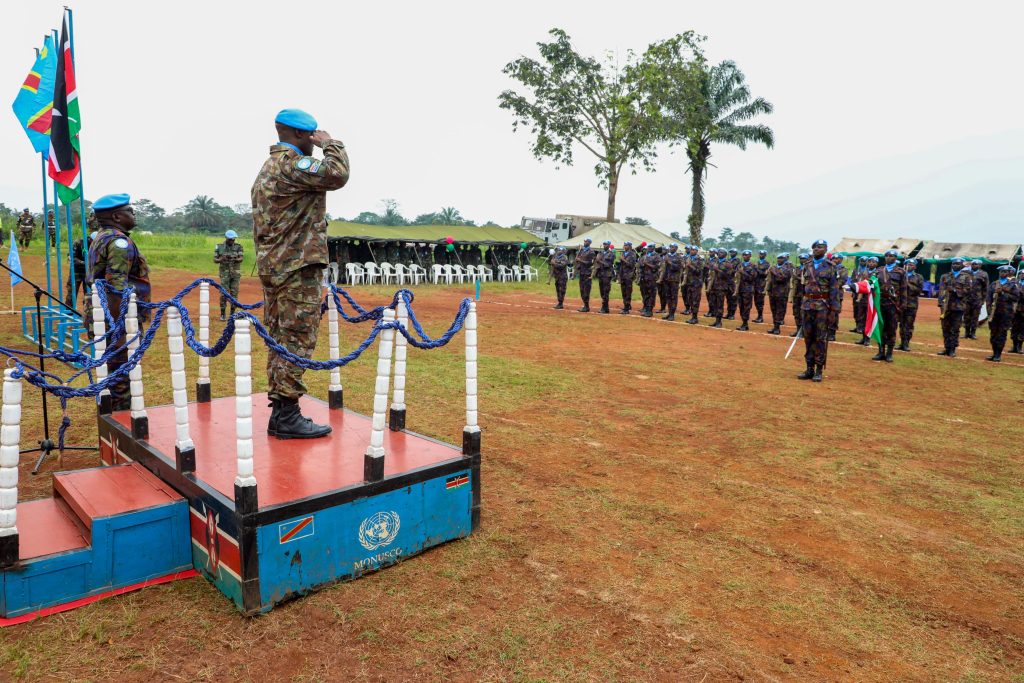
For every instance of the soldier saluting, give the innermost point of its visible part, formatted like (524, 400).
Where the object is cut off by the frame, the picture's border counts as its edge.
(954, 290)
(820, 288)
(228, 255)
(627, 271)
(289, 207)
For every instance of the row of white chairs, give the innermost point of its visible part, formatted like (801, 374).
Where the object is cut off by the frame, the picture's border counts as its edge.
(400, 274)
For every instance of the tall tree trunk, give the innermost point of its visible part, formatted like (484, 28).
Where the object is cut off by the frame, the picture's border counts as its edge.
(696, 219)
(613, 188)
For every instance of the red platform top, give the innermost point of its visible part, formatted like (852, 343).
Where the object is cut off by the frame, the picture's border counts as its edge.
(287, 470)
(45, 527)
(108, 491)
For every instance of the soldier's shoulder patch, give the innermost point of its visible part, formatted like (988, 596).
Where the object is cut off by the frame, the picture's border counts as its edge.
(304, 163)
(121, 243)
(315, 166)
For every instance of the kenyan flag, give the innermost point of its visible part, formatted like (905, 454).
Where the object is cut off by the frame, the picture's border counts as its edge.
(64, 164)
(873, 322)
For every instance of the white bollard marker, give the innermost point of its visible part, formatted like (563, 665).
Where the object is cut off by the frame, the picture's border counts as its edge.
(140, 421)
(99, 330)
(184, 449)
(335, 392)
(203, 378)
(245, 479)
(10, 440)
(471, 432)
(373, 460)
(396, 418)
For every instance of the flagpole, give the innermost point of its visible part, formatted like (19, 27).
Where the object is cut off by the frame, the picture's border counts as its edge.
(81, 186)
(71, 255)
(46, 206)
(56, 216)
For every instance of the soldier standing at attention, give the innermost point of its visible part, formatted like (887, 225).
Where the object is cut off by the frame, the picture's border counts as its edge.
(892, 286)
(979, 292)
(114, 257)
(797, 297)
(915, 285)
(732, 265)
(1017, 327)
(51, 227)
(820, 288)
(650, 264)
(954, 289)
(694, 282)
(776, 288)
(746, 280)
(559, 268)
(26, 224)
(228, 255)
(661, 251)
(722, 286)
(669, 275)
(627, 271)
(1003, 297)
(604, 273)
(762, 267)
(870, 269)
(711, 273)
(78, 257)
(584, 268)
(860, 301)
(842, 276)
(289, 202)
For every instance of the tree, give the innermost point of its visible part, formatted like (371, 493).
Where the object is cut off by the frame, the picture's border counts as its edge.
(391, 216)
(448, 215)
(602, 106)
(636, 220)
(148, 214)
(203, 212)
(367, 218)
(676, 236)
(425, 219)
(719, 110)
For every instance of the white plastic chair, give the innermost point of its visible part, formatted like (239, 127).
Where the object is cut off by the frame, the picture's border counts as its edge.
(437, 273)
(458, 273)
(372, 274)
(471, 273)
(354, 273)
(530, 273)
(517, 273)
(387, 273)
(486, 274)
(401, 273)
(504, 274)
(416, 274)
(334, 271)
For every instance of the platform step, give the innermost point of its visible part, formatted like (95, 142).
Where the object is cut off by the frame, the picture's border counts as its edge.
(48, 527)
(111, 491)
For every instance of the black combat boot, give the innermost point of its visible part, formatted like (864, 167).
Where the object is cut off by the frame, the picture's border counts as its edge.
(647, 313)
(759, 320)
(604, 309)
(775, 329)
(717, 323)
(686, 312)
(624, 311)
(864, 341)
(558, 306)
(888, 352)
(831, 336)
(670, 316)
(857, 329)
(904, 345)
(996, 357)
(222, 315)
(743, 327)
(291, 424)
(275, 410)
(818, 369)
(1017, 347)
(692, 320)
(796, 332)
(661, 310)
(943, 352)
(584, 309)
(881, 353)
(808, 373)
(730, 317)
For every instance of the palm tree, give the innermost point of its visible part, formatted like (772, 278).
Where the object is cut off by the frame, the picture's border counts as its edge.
(448, 215)
(203, 212)
(725, 112)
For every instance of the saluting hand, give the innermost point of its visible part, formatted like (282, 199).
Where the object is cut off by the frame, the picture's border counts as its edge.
(321, 138)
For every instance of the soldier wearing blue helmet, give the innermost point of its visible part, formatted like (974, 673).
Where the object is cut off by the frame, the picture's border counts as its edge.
(954, 290)
(732, 264)
(669, 276)
(979, 290)
(584, 265)
(228, 256)
(604, 273)
(746, 280)
(860, 301)
(627, 272)
(693, 283)
(1004, 297)
(762, 267)
(915, 286)
(558, 267)
(892, 288)
(819, 287)
(796, 294)
(776, 288)
(650, 264)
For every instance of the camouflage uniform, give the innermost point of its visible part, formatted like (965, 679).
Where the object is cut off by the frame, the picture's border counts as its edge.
(114, 257)
(820, 288)
(51, 228)
(627, 271)
(841, 276)
(797, 299)
(716, 286)
(762, 266)
(731, 264)
(229, 258)
(694, 285)
(746, 281)
(1017, 326)
(559, 265)
(892, 285)
(584, 267)
(915, 285)
(289, 208)
(777, 291)
(78, 255)
(26, 225)
(953, 293)
(1003, 300)
(979, 291)
(650, 264)
(604, 273)
(860, 301)
(669, 276)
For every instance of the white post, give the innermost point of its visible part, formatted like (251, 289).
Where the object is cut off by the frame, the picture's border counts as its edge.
(203, 378)
(245, 479)
(373, 461)
(140, 421)
(335, 392)
(184, 449)
(99, 330)
(396, 418)
(10, 440)
(471, 387)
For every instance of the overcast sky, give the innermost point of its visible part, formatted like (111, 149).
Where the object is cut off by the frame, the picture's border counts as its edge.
(178, 99)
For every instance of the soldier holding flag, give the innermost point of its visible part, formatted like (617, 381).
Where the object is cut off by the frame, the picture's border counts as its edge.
(820, 288)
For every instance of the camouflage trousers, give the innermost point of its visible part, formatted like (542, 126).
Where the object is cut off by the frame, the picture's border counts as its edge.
(647, 293)
(693, 296)
(746, 301)
(291, 314)
(971, 314)
(778, 303)
(53, 236)
(24, 238)
(798, 313)
(815, 331)
(716, 302)
(907, 318)
(604, 285)
(951, 322)
(998, 325)
(230, 282)
(561, 282)
(663, 295)
(890, 317)
(730, 302)
(1017, 328)
(860, 311)
(626, 287)
(759, 299)
(585, 284)
(833, 321)
(671, 289)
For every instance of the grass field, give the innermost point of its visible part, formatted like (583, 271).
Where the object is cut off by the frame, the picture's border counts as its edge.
(662, 502)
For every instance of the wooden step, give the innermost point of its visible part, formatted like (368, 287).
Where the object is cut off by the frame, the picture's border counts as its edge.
(110, 491)
(47, 527)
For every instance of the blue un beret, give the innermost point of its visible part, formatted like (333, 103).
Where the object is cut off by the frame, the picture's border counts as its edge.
(111, 201)
(296, 118)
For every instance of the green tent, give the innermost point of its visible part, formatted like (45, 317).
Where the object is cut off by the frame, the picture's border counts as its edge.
(463, 234)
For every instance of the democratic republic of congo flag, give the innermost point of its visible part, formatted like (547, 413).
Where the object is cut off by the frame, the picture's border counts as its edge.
(34, 102)
(873, 322)
(65, 125)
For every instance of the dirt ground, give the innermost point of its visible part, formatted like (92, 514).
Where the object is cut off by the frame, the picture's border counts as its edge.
(662, 502)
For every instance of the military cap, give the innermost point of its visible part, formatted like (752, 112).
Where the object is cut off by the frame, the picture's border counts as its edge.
(231, 235)
(559, 248)
(587, 240)
(295, 118)
(976, 262)
(25, 210)
(892, 252)
(747, 252)
(872, 258)
(911, 262)
(862, 259)
(957, 259)
(732, 250)
(836, 256)
(820, 243)
(607, 243)
(804, 256)
(762, 252)
(627, 242)
(109, 202)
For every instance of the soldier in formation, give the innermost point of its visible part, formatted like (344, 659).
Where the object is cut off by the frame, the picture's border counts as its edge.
(1017, 326)
(718, 283)
(731, 264)
(228, 256)
(842, 275)
(1003, 301)
(977, 296)
(558, 268)
(954, 292)
(26, 226)
(892, 286)
(604, 273)
(762, 266)
(71, 289)
(584, 265)
(627, 272)
(114, 257)
(693, 282)
(669, 277)
(746, 283)
(51, 227)
(915, 287)
(650, 265)
(868, 272)
(819, 287)
(796, 296)
(860, 301)
(289, 200)
(776, 288)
